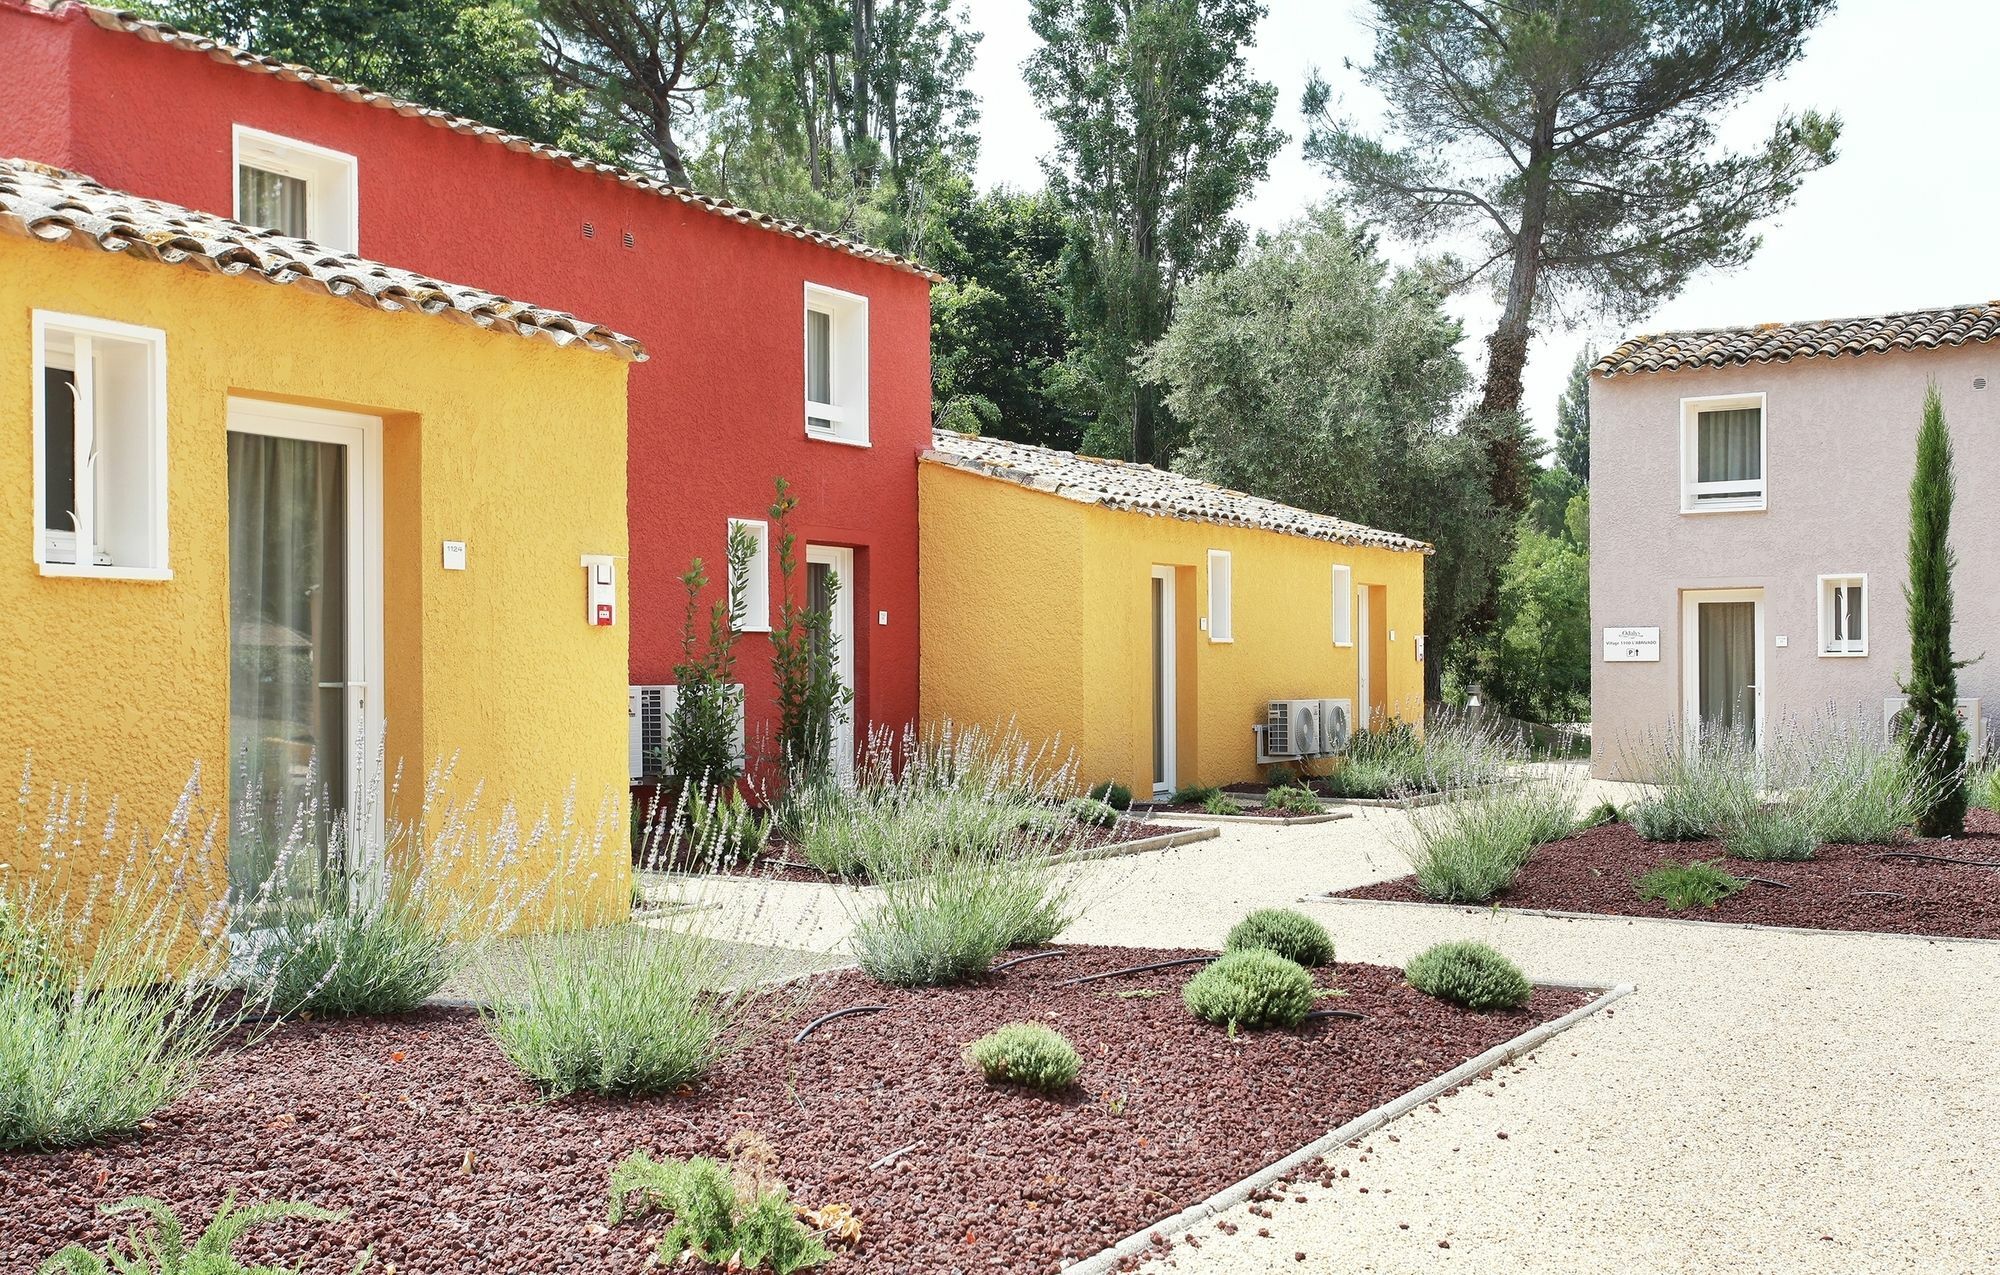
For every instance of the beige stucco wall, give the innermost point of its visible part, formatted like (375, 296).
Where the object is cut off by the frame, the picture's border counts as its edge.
(1840, 446)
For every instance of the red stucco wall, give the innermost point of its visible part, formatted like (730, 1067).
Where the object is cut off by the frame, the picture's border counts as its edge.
(716, 413)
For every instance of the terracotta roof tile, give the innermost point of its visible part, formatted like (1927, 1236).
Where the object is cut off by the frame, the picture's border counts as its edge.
(163, 33)
(1819, 339)
(57, 206)
(1142, 489)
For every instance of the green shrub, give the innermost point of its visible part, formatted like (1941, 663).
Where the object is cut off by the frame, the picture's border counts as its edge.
(1194, 795)
(744, 1225)
(1781, 833)
(947, 919)
(1026, 1054)
(1452, 752)
(1469, 850)
(1602, 813)
(28, 954)
(1857, 789)
(1985, 789)
(162, 1249)
(1292, 800)
(1091, 813)
(1703, 785)
(1292, 935)
(633, 1009)
(347, 947)
(1112, 793)
(1689, 885)
(1218, 803)
(1469, 974)
(1362, 778)
(1250, 988)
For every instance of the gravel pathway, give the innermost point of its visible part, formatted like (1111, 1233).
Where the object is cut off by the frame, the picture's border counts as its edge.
(1764, 1102)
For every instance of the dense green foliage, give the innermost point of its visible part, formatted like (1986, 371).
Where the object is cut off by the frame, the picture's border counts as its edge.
(1777, 832)
(1090, 812)
(477, 58)
(1536, 659)
(1112, 793)
(1579, 141)
(354, 946)
(812, 701)
(1473, 975)
(1249, 988)
(1291, 934)
(743, 1224)
(1160, 132)
(1695, 884)
(1936, 738)
(1470, 849)
(708, 700)
(1028, 1054)
(1395, 760)
(163, 1249)
(1309, 373)
(1573, 419)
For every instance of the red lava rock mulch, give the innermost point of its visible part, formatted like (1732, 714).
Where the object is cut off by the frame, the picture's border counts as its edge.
(1841, 888)
(450, 1163)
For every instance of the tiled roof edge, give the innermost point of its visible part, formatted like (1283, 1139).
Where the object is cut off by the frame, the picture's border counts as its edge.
(1946, 327)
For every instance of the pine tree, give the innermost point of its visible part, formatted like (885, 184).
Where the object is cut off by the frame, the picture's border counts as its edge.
(1573, 419)
(1936, 740)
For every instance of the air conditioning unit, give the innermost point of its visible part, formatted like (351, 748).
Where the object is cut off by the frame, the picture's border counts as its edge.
(649, 710)
(1336, 724)
(1968, 712)
(650, 715)
(1292, 728)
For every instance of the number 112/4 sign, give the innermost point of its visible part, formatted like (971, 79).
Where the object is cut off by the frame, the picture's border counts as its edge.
(1632, 646)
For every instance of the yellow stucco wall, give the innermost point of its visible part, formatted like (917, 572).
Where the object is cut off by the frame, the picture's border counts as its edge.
(514, 446)
(1038, 609)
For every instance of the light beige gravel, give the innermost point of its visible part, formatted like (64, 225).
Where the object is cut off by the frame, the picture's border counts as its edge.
(1765, 1102)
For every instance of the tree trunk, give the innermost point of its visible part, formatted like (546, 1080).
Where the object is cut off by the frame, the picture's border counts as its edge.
(672, 165)
(1507, 348)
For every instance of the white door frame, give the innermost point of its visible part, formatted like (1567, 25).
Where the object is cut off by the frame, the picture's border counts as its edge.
(1364, 654)
(841, 629)
(1691, 600)
(362, 436)
(1166, 701)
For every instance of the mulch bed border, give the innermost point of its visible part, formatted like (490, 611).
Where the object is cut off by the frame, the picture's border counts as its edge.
(1160, 814)
(1556, 914)
(1146, 1241)
(1143, 845)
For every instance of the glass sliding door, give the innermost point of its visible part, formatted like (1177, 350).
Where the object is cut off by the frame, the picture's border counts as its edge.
(303, 637)
(1723, 677)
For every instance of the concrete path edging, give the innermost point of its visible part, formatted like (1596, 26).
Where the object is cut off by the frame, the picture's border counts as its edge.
(1141, 1241)
(1144, 845)
(1273, 821)
(1754, 927)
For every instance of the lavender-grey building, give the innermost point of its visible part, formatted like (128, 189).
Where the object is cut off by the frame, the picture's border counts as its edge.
(1749, 523)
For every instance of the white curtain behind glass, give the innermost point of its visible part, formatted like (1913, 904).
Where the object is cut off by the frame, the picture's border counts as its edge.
(288, 653)
(272, 200)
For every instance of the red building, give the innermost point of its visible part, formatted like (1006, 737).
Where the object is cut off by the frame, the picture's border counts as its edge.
(777, 350)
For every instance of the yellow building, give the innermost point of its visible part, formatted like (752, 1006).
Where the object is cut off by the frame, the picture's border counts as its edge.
(1150, 619)
(277, 532)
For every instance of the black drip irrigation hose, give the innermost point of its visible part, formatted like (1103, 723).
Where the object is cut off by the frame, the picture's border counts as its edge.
(807, 1030)
(1937, 858)
(1032, 956)
(1333, 1013)
(1137, 969)
(1778, 885)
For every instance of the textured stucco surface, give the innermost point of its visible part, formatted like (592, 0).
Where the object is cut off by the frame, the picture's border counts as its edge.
(1038, 609)
(1841, 440)
(516, 449)
(719, 303)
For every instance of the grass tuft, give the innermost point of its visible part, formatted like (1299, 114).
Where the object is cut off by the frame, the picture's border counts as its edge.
(1470, 850)
(1695, 884)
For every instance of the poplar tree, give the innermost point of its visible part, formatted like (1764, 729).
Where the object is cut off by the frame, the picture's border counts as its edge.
(1936, 740)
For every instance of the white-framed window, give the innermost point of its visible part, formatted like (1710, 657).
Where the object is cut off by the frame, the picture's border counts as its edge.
(100, 401)
(1343, 605)
(297, 189)
(755, 615)
(1843, 615)
(1221, 604)
(836, 365)
(1722, 453)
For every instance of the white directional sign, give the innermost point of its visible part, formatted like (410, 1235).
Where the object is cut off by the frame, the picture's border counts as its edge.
(1632, 646)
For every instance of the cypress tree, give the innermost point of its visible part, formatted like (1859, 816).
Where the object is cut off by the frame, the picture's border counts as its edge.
(1936, 741)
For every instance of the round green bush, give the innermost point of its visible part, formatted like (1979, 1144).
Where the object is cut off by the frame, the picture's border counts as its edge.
(1113, 794)
(1250, 988)
(1293, 799)
(1026, 1054)
(1092, 812)
(1469, 974)
(1292, 935)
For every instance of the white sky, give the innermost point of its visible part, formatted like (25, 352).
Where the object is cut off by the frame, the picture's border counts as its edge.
(1907, 217)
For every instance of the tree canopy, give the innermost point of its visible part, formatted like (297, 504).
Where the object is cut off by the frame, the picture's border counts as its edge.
(1576, 139)
(1573, 419)
(1161, 130)
(1312, 374)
